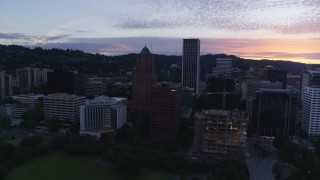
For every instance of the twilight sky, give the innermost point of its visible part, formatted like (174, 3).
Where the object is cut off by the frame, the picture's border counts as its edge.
(257, 29)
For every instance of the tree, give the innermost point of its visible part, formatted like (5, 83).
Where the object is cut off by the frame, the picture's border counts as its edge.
(9, 100)
(31, 142)
(31, 118)
(126, 162)
(5, 121)
(52, 123)
(281, 140)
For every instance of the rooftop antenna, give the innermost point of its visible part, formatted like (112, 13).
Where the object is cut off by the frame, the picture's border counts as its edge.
(151, 46)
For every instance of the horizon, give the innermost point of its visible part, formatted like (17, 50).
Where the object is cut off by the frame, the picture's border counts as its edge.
(274, 30)
(123, 53)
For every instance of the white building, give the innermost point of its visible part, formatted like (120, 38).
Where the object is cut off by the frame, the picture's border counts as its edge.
(28, 103)
(101, 114)
(310, 78)
(191, 64)
(64, 106)
(311, 111)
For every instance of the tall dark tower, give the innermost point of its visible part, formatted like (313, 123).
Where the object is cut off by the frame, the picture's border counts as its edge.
(191, 64)
(143, 79)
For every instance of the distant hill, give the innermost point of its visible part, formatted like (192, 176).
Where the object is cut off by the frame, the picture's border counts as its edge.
(13, 57)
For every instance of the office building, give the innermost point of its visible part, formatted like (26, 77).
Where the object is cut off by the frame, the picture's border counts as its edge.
(101, 114)
(311, 111)
(244, 81)
(275, 112)
(188, 97)
(66, 82)
(294, 81)
(44, 76)
(165, 110)
(28, 77)
(309, 78)
(22, 104)
(27, 102)
(223, 66)
(310, 122)
(273, 75)
(220, 134)
(95, 88)
(174, 74)
(60, 82)
(66, 107)
(253, 87)
(191, 64)
(6, 86)
(143, 78)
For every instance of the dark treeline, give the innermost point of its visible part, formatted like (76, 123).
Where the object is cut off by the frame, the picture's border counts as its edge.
(13, 57)
(125, 158)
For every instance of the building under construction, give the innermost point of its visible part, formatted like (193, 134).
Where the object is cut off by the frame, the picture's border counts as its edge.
(220, 134)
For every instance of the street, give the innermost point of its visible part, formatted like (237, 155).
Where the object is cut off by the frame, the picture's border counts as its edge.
(260, 169)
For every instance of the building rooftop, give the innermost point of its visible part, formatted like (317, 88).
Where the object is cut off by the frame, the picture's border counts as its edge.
(231, 115)
(99, 130)
(145, 51)
(166, 84)
(105, 99)
(29, 95)
(63, 96)
(314, 72)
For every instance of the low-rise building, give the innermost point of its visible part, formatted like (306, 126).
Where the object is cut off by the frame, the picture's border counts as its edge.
(66, 107)
(95, 88)
(97, 116)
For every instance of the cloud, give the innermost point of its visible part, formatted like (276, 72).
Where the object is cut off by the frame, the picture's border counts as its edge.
(54, 38)
(299, 49)
(88, 47)
(279, 16)
(279, 55)
(4, 35)
(30, 39)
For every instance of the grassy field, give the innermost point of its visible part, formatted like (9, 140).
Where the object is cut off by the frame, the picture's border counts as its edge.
(68, 167)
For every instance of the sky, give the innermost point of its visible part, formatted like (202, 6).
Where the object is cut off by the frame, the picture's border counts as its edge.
(253, 29)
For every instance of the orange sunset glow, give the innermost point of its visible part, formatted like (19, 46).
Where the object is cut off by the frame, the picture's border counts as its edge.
(297, 50)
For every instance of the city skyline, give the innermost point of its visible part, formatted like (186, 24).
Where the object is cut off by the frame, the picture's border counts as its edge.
(275, 29)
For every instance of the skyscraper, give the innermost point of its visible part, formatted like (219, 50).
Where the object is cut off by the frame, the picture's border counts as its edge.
(191, 64)
(143, 79)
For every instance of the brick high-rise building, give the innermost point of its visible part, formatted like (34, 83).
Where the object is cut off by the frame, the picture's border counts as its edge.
(143, 79)
(165, 110)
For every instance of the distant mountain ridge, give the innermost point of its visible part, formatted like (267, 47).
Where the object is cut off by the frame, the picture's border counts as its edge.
(13, 57)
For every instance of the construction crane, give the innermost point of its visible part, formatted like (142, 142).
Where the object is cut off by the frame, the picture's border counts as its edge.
(224, 96)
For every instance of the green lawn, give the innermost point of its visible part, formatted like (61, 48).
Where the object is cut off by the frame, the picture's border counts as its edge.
(68, 167)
